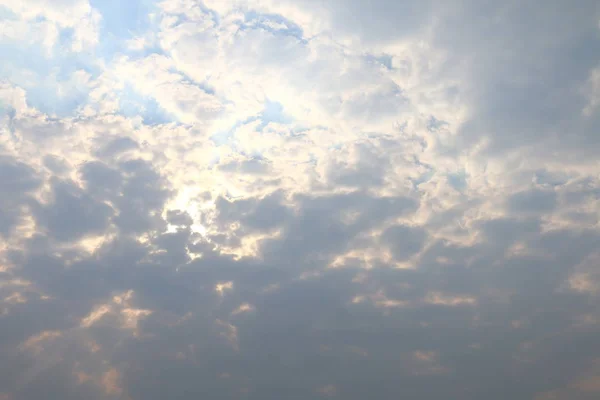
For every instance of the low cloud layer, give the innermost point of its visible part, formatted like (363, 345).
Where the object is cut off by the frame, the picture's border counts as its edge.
(250, 199)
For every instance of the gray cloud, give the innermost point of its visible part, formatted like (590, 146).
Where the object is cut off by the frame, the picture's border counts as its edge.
(71, 213)
(404, 241)
(17, 181)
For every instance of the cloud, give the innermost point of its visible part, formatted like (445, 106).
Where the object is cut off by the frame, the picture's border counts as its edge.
(70, 214)
(258, 199)
(18, 182)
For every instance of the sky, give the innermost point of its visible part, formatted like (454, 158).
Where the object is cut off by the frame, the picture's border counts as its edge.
(299, 199)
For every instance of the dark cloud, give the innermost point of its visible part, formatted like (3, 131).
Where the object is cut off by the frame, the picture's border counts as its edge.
(71, 213)
(101, 179)
(309, 332)
(404, 241)
(181, 218)
(140, 202)
(360, 165)
(17, 182)
(330, 225)
(526, 77)
(536, 201)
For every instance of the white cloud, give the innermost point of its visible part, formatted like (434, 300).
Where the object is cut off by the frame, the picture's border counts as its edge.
(74, 14)
(151, 77)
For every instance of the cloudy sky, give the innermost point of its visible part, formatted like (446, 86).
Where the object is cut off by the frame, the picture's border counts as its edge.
(299, 199)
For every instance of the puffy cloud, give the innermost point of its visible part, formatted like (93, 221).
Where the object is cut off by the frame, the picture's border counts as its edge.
(76, 15)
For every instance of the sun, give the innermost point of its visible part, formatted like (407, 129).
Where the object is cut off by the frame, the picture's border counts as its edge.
(194, 203)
